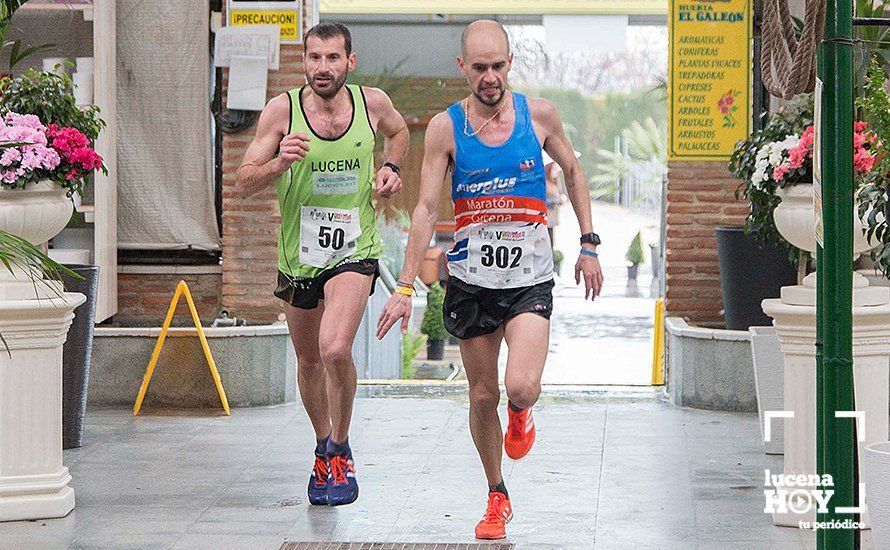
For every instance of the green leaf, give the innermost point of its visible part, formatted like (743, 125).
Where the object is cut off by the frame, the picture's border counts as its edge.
(16, 56)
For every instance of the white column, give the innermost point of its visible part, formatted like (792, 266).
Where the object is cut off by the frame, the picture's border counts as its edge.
(794, 316)
(33, 480)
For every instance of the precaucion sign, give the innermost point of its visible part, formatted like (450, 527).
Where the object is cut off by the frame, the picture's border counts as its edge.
(284, 14)
(709, 78)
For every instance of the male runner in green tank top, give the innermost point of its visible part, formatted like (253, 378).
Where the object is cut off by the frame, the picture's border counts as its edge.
(316, 144)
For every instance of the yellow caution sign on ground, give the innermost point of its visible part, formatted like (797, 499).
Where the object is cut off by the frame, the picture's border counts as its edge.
(181, 289)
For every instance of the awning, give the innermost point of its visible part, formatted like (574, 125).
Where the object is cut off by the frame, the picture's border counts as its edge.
(497, 7)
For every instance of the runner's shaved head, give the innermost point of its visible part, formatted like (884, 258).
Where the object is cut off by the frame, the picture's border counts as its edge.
(482, 32)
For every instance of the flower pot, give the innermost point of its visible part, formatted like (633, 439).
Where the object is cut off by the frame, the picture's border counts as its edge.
(35, 213)
(796, 220)
(749, 273)
(876, 475)
(76, 354)
(655, 254)
(435, 350)
(632, 271)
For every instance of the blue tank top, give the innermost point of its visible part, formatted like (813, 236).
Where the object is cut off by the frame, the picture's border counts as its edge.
(500, 211)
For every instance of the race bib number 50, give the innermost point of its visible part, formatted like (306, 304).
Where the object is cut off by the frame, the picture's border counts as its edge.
(500, 256)
(327, 235)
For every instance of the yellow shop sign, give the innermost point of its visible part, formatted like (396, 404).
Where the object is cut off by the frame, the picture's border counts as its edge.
(709, 78)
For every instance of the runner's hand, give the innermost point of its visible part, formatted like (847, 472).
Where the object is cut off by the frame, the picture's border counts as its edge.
(388, 183)
(293, 148)
(398, 307)
(593, 275)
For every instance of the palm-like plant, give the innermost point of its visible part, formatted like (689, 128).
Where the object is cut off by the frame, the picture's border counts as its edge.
(16, 252)
(645, 158)
(17, 52)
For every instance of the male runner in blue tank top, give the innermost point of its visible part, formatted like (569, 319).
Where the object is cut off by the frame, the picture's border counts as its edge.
(501, 264)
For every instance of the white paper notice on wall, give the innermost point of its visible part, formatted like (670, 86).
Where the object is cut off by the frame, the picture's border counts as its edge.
(247, 83)
(252, 41)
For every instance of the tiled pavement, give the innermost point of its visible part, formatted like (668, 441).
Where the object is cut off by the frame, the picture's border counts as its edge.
(629, 473)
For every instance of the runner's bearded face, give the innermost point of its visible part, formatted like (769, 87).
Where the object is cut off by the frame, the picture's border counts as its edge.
(327, 65)
(487, 77)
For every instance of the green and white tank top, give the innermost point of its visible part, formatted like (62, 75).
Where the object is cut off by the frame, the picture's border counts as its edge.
(325, 199)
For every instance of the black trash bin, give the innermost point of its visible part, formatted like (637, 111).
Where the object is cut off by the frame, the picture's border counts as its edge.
(76, 354)
(749, 273)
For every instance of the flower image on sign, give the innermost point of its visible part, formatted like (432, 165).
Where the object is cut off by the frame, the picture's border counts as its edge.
(709, 78)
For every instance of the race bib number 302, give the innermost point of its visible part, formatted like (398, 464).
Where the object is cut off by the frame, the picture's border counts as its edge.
(500, 256)
(327, 235)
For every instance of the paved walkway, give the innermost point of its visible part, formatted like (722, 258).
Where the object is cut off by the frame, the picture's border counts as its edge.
(609, 341)
(607, 473)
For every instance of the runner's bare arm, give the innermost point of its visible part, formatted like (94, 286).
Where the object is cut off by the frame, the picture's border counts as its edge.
(260, 166)
(438, 150)
(395, 135)
(560, 149)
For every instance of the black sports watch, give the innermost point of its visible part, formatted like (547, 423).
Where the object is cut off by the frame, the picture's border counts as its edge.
(590, 238)
(392, 167)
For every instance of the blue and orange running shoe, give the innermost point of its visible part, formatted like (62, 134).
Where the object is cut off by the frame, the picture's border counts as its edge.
(520, 434)
(342, 486)
(498, 514)
(318, 481)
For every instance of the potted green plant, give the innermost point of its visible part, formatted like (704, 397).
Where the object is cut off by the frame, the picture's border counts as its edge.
(875, 184)
(558, 257)
(634, 256)
(755, 260)
(433, 324)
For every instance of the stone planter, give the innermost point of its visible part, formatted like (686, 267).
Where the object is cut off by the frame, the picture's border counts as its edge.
(796, 220)
(876, 476)
(36, 213)
(769, 382)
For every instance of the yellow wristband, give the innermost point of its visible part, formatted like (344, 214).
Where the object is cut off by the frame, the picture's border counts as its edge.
(405, 290)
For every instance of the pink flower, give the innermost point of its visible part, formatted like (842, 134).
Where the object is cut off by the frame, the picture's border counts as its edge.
(859, 139)
(796, 156)
(780, 172)
(8, 176)
(860, 126)
(25, 121)
(50, 159)
(863, 161)
(9, 156)
(30, 160)
(807, 138)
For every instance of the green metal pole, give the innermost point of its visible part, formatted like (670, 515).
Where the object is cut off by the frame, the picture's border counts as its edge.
(834, 376)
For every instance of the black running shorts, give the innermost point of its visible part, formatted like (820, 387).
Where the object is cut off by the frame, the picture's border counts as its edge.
(305, 292)
(472, 310)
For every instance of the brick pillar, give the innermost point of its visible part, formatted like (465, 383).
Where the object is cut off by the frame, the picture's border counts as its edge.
(251, 225)
(700, 198)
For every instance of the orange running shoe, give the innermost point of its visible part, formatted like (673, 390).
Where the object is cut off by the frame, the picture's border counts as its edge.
(497, 515)
(520, 434)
